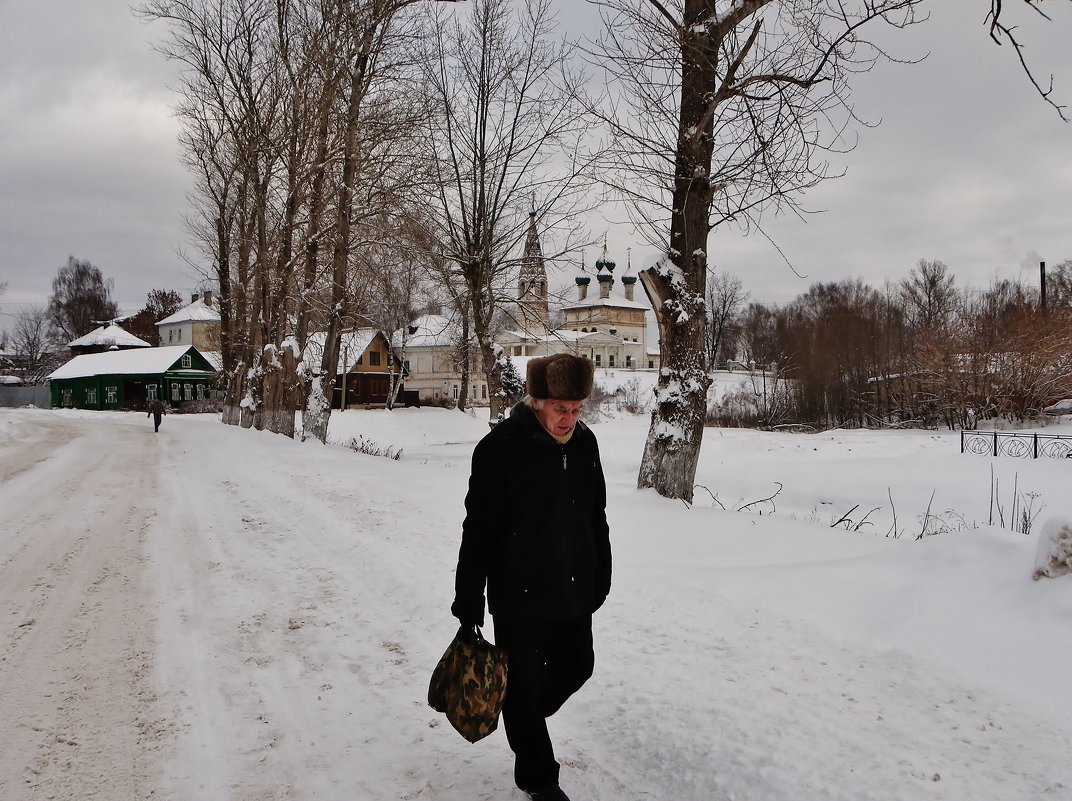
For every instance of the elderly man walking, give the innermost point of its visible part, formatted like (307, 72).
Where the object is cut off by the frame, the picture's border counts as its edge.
(536, 534)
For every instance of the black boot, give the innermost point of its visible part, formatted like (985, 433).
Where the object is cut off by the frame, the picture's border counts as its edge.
(553, 793)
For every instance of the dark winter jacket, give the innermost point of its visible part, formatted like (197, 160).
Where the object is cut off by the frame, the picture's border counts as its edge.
(535, 527)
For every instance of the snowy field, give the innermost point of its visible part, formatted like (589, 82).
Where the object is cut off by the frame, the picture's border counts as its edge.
(214, 614)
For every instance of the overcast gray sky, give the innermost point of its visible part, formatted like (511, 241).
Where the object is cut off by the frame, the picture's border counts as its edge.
(968, 166)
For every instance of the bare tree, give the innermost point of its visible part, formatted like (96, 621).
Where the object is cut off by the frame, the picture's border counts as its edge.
(504, 137)
(368, 38)
(725, 295)
(930, 296)
(81, 300)
(759, 341)
(291, 124)
(229, 103)
(1059, 286)
(30, 340)
(399, 280)
(750, 98)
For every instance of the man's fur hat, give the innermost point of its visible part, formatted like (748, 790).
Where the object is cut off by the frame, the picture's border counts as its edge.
(560, 377)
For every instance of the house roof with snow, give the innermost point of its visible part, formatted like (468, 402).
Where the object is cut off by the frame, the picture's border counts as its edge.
(106, 336)
(197, 312)
(128, 362)
(561, 336)
(213, 357)
(430, 331)
(353, 344)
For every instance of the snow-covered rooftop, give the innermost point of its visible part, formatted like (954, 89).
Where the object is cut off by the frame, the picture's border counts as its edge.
(106, 336)
(353, 344)
(122, 362)
(213, 357)
(433, 331)
(196, 312)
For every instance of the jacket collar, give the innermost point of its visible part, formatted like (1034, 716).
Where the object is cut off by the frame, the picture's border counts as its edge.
(531, 426)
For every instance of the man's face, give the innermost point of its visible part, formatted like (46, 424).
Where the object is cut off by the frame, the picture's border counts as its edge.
(559, 416)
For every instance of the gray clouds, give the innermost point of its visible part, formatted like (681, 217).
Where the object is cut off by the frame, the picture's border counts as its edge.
(88, 155)
(968, 166)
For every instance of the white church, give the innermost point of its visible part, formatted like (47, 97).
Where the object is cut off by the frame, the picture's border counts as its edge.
(604, 323)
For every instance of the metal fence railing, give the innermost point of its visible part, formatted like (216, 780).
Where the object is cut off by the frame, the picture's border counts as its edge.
(1016, 443)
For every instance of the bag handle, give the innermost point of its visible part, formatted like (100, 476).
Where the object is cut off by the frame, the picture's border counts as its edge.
(471, 634)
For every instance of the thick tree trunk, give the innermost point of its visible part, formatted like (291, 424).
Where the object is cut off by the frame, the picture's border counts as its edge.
(677, 284)
(493, 372)
(232, 403)
(318, 408)
(281, 384)
(677, 421)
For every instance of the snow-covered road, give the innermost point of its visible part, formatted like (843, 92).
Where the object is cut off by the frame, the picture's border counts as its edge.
(212, 614)
(77, 700)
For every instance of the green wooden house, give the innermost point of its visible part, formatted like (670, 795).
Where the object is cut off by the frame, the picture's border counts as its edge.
(129, 379)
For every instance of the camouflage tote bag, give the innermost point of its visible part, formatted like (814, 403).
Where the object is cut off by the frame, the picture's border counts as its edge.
(469, 684)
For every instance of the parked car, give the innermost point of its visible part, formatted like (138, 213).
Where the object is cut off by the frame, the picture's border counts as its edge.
(1061, 407)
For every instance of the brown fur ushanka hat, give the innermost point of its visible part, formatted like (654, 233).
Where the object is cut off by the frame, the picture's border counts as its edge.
(560, 377)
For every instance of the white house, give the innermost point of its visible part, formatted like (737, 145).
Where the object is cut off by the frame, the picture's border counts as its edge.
(431, 347)
(197, 324)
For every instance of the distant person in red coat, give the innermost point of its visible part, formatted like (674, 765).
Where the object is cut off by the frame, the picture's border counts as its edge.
(156, 409)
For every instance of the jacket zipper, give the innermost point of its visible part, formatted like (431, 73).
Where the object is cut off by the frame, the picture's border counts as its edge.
(563, 459)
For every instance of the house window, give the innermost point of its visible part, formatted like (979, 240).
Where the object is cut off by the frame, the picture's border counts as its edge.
(374, 358)
(628, 361)
(360, 359)
(187, 361)
(200, 391)
(110, 393)
(483, 392)
(610, 360)
(405, 365)
(150, 391)
(189, 391)
(175, 396)
(599, 359)
(517, 350)
(455, 392)
(170, 334)
(91, 396)
(180, 335)
(66, 397)
(651, 364)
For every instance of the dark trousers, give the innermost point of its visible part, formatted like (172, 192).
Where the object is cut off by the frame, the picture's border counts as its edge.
(156, 422)
(549, 662)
